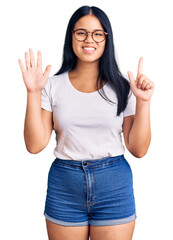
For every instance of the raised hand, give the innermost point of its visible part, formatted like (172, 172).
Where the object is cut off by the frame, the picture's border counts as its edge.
(142, 87)
(33, 76)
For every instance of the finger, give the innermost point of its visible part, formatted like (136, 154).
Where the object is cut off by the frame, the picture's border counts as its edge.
(142, 78)
(22, 67)
(39, 59)
(32, 59)
(131, 78)
(148, 86)
(47, 71)
(27, 60)
(140, 67)
(145, 83)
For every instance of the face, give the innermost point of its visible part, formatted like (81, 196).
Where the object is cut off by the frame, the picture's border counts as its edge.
(90, 23)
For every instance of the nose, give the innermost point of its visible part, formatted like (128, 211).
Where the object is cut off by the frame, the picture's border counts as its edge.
(89, 37)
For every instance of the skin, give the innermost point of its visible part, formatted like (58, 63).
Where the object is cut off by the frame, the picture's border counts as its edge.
(137, 128)
(39, 124)
(84, 76)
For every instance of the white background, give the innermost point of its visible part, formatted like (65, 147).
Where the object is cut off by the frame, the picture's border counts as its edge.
(141, 28)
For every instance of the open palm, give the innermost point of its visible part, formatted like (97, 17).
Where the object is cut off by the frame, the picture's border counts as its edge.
(33, 76)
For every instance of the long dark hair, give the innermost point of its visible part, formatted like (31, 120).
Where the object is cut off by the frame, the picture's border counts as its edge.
(108, 67)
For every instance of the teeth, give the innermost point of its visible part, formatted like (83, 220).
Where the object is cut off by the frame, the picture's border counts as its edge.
(89, 48)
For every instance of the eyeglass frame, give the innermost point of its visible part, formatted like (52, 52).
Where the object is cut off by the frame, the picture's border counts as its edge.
(91, 34)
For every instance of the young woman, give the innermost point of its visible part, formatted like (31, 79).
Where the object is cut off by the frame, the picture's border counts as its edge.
(88, 103)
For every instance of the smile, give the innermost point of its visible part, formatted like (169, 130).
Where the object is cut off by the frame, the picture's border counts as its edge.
(88, 49)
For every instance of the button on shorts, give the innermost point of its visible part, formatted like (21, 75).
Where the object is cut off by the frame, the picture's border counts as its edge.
(95, 192)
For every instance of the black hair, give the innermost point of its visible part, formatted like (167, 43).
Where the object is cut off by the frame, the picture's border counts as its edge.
(108, 67)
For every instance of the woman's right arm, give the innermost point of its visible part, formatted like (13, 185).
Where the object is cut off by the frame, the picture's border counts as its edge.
(38, 122)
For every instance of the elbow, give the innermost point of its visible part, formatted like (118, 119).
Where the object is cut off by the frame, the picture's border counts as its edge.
(34, 149)
(35, 146)
(138, 153)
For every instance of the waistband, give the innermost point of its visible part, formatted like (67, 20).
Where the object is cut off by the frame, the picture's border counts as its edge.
(94, 163)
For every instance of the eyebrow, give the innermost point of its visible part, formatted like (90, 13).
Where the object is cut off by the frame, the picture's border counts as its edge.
(86, 29)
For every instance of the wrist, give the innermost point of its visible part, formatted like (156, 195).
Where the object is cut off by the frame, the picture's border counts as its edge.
(32, 93)
(142, 102)
(34, 96)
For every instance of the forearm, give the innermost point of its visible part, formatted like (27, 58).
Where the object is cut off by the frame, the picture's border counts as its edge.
(33, 127)
(140, 133)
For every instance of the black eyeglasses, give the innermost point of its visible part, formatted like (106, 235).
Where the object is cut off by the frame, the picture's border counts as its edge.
(81, 35)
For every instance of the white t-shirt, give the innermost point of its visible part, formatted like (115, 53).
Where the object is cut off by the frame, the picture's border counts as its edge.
(85, 124)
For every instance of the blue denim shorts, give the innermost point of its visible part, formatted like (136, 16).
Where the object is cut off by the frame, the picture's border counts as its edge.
(95, 192)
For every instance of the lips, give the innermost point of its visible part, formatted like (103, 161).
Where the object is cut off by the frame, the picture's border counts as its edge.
(88, 49)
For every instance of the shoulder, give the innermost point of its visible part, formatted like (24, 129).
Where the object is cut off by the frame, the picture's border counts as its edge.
(54, 83)
(56, 86)
(57, 79)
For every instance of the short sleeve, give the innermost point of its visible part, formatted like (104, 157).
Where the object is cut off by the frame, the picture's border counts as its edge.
(131, 105)
(46, 98)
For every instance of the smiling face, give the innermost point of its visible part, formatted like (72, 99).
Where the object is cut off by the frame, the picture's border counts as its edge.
(88, 50)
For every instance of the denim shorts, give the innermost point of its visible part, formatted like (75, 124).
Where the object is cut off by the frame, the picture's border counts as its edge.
(95, 192)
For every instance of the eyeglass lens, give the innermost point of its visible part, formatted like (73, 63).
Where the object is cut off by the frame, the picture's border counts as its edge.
(81, 35)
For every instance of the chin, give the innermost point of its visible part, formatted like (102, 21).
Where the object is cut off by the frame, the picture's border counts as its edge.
(89, 59)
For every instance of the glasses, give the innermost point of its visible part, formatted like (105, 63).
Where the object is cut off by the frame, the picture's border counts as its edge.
(97, 35)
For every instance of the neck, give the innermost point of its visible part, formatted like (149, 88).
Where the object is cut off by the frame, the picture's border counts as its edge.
(87, 70)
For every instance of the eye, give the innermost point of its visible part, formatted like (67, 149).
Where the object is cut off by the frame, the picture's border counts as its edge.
(80, 33)
(100, 34)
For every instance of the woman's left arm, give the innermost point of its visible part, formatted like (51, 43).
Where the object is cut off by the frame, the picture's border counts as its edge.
(136, 128)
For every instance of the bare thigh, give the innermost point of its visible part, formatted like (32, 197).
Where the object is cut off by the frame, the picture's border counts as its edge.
(59, 232)
(113, 232)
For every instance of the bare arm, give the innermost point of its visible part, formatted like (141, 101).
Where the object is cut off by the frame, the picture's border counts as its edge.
(38, 122)
(137, 128)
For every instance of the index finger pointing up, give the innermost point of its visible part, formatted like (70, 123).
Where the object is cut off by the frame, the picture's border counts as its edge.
(140, 66)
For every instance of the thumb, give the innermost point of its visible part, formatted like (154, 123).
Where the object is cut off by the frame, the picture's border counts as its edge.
(47, 71)
(131, 78)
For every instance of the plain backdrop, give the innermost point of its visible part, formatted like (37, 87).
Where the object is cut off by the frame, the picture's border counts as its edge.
(140, 28)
